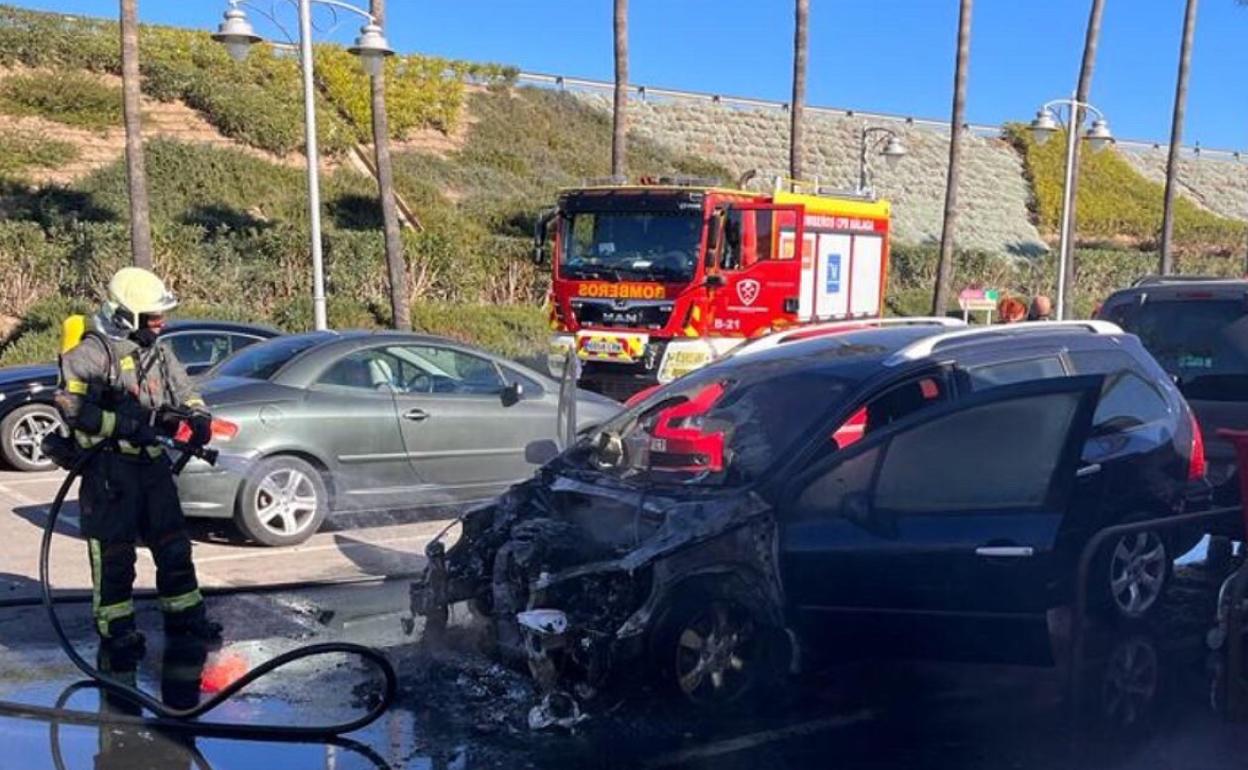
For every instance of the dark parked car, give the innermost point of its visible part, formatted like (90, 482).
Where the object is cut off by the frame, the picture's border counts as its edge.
(1197, 329)
(354, 421)
(727, 514)
(26, 410)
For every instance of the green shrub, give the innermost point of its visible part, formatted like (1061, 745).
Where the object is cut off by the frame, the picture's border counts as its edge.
(21, 150)
(65, 96)
(519, 332)
(1115, 201)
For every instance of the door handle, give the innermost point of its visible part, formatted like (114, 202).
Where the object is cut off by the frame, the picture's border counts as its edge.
(1088, 470)
(1008, 551)
(416, 415)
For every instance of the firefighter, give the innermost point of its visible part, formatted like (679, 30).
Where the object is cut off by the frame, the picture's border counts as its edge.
(120, 389)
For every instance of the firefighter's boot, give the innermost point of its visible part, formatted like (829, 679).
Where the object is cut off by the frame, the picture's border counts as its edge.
(194, 624)
(125, 644)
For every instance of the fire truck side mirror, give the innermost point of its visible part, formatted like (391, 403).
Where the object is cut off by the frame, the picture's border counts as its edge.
(714, 234)
(539, 235)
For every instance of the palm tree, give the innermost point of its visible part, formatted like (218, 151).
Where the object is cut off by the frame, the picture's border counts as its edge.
(400, 310)
(1081, 94)
(619, 119)
(799, 89)
(944, 267)
(136, 174)
(1176, 138)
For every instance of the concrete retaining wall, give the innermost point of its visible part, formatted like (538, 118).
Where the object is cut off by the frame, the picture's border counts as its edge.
(993, 195)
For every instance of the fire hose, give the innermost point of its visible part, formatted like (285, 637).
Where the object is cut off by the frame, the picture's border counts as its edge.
(186, 720)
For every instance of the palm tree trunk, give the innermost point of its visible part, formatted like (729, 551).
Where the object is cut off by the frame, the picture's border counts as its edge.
(396, 266)
(944, 268)
(796, 109)
(1081, 94)
(136, 174)
(619, 115)
(1176, 138)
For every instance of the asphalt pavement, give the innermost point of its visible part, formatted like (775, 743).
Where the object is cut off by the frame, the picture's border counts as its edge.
(349, 547)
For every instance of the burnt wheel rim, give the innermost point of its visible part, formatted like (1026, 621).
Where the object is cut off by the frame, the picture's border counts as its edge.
(716, 654)
(1137, 573)
(286, 502)
(27, 437)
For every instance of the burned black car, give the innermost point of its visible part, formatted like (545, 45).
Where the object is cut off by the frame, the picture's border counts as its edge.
(709, 537)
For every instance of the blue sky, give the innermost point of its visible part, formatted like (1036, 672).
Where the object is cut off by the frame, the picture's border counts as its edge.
(881, 55)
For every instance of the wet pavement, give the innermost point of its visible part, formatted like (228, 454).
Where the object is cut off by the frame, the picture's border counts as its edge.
(1144, 698)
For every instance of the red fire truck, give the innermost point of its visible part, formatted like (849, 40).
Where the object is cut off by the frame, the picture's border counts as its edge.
(654, 280)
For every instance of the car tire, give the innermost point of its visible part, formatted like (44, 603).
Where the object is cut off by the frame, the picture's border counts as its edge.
(282, 502)
(1133, 573)
(715, 652)
(20, 433)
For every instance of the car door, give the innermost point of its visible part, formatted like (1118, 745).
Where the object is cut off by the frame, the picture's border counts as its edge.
(954, 509)
(349, 413)
(460, 432)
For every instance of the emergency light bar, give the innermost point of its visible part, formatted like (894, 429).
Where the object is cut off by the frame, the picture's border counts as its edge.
(926, 346)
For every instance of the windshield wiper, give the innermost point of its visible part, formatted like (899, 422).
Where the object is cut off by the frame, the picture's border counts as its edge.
(595, 272)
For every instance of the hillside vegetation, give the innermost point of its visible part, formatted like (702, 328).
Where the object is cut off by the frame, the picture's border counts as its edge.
(1117, 204)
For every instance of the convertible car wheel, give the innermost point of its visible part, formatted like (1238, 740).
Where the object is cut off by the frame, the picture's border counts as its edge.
(283, 502)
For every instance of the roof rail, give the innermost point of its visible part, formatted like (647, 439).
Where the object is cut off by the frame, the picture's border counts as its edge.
(798, 333)
(1157, 280)
(926, 346)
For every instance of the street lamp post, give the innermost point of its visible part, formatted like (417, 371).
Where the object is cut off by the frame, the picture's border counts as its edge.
(236, 33)
(892, 151)
(1046, 124)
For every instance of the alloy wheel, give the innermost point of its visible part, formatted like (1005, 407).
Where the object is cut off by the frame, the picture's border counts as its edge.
(28, 433)
(1130, 683)
(1137, 573)
(716, 654)
(285, 502)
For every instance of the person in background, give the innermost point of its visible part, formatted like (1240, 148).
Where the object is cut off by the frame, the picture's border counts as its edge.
(1041, 309)
(1011, 310)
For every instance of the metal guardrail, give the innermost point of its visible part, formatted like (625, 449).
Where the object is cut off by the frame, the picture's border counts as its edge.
(1229, 515)
(644, 93)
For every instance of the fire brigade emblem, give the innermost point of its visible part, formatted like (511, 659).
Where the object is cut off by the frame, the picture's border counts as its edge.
(747, 291)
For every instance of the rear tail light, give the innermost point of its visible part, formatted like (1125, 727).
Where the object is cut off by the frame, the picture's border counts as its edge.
(1196, 458)
(223, 430)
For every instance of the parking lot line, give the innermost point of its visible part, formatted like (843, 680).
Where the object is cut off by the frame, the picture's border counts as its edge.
(754, 740)
(269, 553)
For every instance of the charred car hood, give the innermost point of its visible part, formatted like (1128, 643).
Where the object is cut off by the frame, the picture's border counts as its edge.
(608, 524)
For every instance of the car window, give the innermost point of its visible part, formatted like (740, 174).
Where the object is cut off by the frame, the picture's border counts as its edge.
(1128, 401)
(531, 387)
(896, 403)
(261, 361)
(240, 341)
(199, 349)
(1100, 361)
(1202, 342)
(1011, 372)
(435, 369)
(372, 369)
(1000, 455)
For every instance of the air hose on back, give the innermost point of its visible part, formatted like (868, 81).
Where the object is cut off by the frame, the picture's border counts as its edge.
(187, 719)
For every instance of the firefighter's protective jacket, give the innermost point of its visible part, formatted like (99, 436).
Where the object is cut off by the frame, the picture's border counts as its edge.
(113, 388)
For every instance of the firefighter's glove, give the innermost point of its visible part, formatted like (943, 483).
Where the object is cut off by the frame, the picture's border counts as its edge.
(201, 427)
(137, 427)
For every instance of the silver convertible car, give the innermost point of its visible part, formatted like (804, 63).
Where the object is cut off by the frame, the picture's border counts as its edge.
(359, 421)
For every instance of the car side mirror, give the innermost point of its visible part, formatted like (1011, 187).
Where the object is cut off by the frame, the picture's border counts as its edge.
(541, 451)
(714, 234)
(539, 236)
(512, 394)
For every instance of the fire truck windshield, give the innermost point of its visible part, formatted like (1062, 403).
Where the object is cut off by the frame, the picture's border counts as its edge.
(631, 245)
